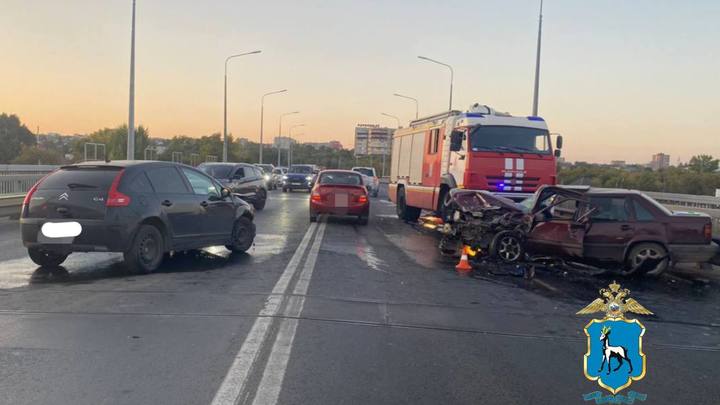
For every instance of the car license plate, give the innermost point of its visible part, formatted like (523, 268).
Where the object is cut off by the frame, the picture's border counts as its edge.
(296, 183)
(61, 229)
(341, 200)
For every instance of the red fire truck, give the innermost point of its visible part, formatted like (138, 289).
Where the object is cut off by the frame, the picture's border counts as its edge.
(480, 149)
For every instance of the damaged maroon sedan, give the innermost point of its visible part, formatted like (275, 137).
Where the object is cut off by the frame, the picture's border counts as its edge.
(622, 229)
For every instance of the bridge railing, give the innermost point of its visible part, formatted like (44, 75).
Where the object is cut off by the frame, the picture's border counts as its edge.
(17, 179)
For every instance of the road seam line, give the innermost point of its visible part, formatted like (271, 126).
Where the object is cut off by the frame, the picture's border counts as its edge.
(235, 380)
(268, 390)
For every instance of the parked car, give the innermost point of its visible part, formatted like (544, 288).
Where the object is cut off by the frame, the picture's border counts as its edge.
(267, 175)
(243, 179)
(605, 227)
(299, 177)
(142, 209)
(277, 175)
(340, 192)
(372, 181)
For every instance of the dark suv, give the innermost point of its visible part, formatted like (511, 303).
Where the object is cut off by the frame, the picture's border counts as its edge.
(246, 180)
(142, 209)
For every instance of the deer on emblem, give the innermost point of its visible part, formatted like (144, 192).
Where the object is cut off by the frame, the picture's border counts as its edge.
(610, 352)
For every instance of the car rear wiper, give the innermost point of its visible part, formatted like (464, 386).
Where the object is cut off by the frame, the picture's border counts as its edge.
(80, 185)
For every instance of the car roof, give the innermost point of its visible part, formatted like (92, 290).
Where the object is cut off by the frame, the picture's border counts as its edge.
(591, 191)
(363, 167)
(123, 163)
(339, 171)
(226, 164)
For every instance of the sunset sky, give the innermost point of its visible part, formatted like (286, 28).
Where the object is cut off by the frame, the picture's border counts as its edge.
(620, 79)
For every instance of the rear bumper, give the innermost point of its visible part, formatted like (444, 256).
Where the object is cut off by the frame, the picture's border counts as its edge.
(694, 253)
(96, 236)
(319, 208)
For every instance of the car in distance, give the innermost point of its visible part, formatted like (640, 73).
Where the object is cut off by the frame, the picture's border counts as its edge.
(142, 209)
(340, 192)
(298, 177)
(277, 175)
(243, 179)
(267, 175)
(372, 182)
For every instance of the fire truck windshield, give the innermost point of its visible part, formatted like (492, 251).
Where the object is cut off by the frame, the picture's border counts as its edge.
(509, 139)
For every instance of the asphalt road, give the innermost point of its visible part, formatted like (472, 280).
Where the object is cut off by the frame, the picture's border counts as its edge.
(332, 313)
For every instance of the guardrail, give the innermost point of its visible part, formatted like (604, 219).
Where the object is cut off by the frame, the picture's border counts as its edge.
(17, 179)
(686, 200)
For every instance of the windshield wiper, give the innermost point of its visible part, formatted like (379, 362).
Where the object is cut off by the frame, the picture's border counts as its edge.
(80, 185)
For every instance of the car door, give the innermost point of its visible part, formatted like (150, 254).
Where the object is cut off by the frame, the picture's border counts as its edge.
(556, 230)
(216, 214)
(611, 228)
(177, 204)
(242, 181)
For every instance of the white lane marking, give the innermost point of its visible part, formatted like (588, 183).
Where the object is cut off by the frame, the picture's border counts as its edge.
(234, 383)
(269, 388)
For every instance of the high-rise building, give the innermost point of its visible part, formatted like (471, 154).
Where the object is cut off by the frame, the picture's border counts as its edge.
(283, 142)
(660, 161)
(371, 139)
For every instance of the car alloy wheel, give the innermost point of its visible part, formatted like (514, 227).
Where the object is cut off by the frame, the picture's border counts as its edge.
(507, 246)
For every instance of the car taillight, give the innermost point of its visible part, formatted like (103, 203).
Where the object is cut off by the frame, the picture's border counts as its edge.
(362, 199)
(316, 197)
(33, 189)
(116, 198)
(707, 232)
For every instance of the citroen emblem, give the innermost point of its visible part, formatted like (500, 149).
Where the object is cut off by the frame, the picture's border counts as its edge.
(63, 196)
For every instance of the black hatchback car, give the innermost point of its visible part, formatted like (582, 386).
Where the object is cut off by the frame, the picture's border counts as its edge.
(246, 180)
(142, 209)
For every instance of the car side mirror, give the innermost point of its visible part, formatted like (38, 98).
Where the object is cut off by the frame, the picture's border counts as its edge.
(557, 152)
(456, 138)
(559, 142)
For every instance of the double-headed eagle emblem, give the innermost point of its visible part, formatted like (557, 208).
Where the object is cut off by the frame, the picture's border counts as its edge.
(615, 301)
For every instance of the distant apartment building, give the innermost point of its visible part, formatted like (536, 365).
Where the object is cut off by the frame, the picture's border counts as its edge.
(618, 163)
(283, 142)
(372, 139)
(660, 161)
(335, 145)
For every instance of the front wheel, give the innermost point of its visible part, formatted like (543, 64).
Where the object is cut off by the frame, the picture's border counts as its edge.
(243, 235)
(647, 258)
(507, 246)
(404, 212)
(46, 258)
(146, 252)
(259, 203)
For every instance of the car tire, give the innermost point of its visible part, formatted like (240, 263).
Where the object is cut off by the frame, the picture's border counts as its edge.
(243, 235)
(46, 258)
(313, 218)
(507, 246)
(404, 212)
(284, 190)
(363, 220)
(643, 251)
(147, 250)
(259, 204)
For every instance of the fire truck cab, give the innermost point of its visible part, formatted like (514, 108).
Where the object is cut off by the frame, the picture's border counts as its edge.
(480, 149)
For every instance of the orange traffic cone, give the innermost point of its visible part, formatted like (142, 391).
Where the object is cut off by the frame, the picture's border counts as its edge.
(464, 265)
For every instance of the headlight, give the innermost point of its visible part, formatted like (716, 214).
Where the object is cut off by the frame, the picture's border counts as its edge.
(284, 177)
(308, 178)
(267, 177)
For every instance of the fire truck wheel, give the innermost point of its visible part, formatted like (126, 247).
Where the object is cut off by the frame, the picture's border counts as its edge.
(404, 212)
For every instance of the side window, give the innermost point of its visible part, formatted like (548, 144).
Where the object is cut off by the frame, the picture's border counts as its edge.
(201, 184)
(434, 141)
(642, 213)
(258, 172)
(139, 184)
(239, 173)
(167, 180)
(610, 209)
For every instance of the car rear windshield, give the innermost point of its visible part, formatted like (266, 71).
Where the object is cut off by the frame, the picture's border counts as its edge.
(365, 171)
(300, 169)
(80, 178)
(341, 178)
(217, 171)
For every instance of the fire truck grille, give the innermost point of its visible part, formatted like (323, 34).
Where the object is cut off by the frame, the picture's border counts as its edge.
(524, 182)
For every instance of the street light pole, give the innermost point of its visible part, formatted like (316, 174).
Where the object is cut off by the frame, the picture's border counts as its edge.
(386, 144)
(392, 116)
(410, 98)
(537, 65)
(452, 73)
(280, 133)
(225, 144)
(262, 113)
(131, 110)
(290, 142)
